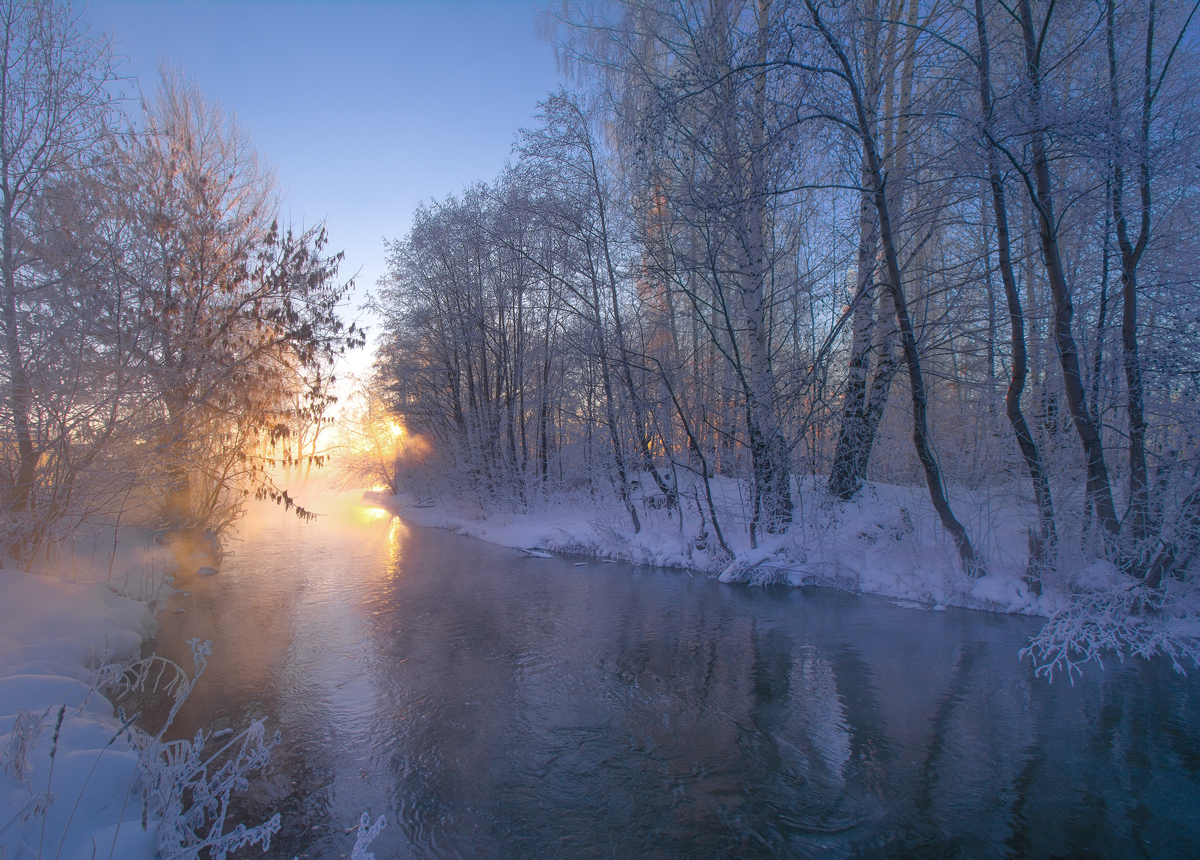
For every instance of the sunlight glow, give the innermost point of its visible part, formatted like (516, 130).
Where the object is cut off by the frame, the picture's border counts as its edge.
(371, 514)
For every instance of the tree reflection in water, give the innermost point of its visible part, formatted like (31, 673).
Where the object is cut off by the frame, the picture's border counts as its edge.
(498, 706)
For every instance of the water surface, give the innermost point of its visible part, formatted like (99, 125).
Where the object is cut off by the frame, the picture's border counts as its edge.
(497, 706)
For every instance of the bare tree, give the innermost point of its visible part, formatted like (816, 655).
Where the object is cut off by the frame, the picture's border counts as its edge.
(1043, 543)
(889, 54)
(567, 142)
(54, 109)
(860, 122)
(704, 126)
(1040, 187)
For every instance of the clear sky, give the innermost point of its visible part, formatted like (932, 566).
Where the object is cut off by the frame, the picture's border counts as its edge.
(364, 108)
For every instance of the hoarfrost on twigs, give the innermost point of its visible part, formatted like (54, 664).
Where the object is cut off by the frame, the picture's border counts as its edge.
(366, 835)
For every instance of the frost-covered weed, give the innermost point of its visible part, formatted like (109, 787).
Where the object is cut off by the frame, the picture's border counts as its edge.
(185, 789)
(1122, 618)
(26, 730)
(153, 674)
(366, 835)
(191, 792)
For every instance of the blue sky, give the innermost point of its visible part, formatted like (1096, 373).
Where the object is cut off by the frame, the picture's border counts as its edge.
(364, 108)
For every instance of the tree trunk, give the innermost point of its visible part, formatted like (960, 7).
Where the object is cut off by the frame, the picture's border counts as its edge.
(1043, 542)
(972, 564)
(1098, 485)
(1138, 516)
(768, 450)
(610, 409)
(853, 450)
(20, 498)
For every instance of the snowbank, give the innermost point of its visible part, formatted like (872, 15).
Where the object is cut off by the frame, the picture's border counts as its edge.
(66, 772)
(886, 542)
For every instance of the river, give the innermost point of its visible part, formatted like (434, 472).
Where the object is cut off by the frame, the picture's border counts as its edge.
(497, 706)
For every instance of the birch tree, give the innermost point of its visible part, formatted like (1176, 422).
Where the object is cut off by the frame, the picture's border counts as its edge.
(706, 129)
(858, 120)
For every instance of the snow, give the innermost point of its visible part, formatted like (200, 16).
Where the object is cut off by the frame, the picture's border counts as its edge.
(73, 785)
(53, 633)
(886, 542)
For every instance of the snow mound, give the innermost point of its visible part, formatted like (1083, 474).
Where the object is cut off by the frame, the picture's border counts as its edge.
(66, 769)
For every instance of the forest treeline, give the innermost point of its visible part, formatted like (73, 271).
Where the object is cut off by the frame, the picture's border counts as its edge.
(163, 336)
(947, 244)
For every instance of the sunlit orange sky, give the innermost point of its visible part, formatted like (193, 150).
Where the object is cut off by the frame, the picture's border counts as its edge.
(365, 108)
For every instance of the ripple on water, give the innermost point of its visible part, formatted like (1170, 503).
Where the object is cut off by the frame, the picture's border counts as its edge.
(497, 706)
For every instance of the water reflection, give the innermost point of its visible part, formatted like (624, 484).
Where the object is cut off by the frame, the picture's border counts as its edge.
(397, 536)
(496, 706)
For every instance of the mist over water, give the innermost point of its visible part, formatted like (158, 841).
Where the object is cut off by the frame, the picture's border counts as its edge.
(492, 705)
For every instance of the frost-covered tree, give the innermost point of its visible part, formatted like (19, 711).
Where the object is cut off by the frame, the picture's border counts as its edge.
(710, 152)
(234, 310)
(55, 109)
(871, 241)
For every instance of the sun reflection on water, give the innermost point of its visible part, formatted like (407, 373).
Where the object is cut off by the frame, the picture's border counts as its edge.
(367, 514)
(397, 537)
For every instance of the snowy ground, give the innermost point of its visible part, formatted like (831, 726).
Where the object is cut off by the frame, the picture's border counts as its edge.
(67, 772)
(886, 542)
(73, 773)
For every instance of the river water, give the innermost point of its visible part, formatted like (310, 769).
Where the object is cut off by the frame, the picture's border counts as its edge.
(498, 706)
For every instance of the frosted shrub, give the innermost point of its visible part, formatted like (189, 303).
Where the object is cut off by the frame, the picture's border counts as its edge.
(1122, 618)
(187, 790)
(191, 793)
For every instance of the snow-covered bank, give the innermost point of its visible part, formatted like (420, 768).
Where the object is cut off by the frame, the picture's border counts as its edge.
(66, 769)
(79, 780)
(886, 542)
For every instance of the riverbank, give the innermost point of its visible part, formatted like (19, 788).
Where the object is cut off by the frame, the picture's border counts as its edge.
(73, 768)
(886, 542)
(67, 771)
